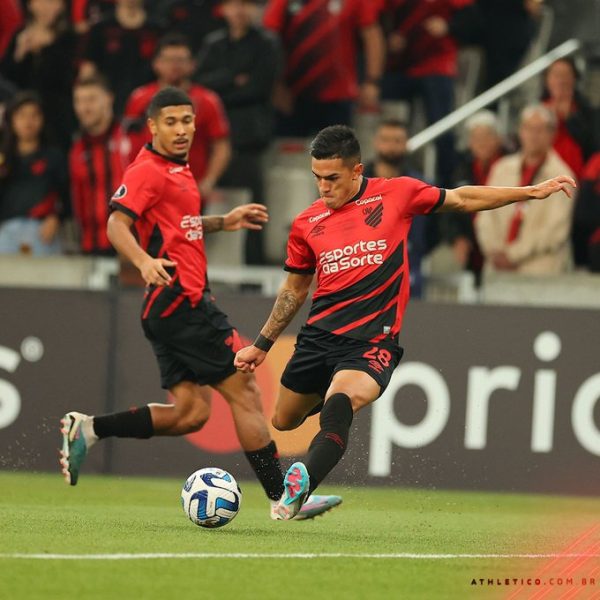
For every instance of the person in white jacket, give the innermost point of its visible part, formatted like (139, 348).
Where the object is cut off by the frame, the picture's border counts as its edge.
(529, 237)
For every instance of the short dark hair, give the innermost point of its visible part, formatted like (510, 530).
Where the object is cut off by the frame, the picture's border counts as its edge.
(336, 141)
(172, 40)
(96, 80)
(169, 96)
(392, 122)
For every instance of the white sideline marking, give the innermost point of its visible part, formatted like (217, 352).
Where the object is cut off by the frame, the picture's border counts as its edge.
(400, 556)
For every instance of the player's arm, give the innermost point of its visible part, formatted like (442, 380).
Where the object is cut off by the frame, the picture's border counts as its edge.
(291, 297)
(120, 236)
(474, 198)
(220, 155)
(374, 49)
(246, 216)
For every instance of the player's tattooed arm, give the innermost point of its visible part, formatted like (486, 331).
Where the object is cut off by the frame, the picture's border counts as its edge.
(289, 300)
(213, 223)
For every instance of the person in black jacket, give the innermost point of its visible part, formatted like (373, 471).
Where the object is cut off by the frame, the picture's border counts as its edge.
(40, 57)
(241, 64)
(33, 181)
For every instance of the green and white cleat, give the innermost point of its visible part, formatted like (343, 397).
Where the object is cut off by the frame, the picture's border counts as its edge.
(78, 438)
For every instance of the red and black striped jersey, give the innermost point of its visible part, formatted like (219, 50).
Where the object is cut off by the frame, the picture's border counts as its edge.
(96, 167)
(320, 41)
(359, 253)
(162, 197)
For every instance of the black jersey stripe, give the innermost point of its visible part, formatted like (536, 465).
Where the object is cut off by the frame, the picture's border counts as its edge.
(371, 325)
(118, 206)
(440, 201)
(383, 273)
(351, 313)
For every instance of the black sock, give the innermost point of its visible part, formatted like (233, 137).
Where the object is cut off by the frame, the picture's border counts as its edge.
(132, 423)
(329, 445)
(267, 467)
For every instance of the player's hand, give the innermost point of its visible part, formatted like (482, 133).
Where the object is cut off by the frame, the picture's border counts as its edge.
(246, 216)
(49, 228)
(248, 358)
(436, 26)
(154, 273)
(562, 183)
(369, 96)
(501, 262)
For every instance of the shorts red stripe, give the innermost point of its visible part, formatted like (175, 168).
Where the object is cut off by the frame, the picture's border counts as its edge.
(151, 301)
(173, 306)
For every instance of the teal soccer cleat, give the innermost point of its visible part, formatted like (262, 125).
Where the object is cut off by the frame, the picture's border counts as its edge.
(76, 444)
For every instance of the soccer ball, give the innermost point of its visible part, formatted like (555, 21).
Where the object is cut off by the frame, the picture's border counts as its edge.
(211, 497)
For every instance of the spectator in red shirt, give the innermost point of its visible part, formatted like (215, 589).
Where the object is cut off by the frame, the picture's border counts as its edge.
(211, 150)
(574, 140)
(97, 161)
(586, 222)
(422, 61)
(120, 47)
(320, 83)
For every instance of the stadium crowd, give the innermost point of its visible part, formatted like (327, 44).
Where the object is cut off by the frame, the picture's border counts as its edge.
(76, 78)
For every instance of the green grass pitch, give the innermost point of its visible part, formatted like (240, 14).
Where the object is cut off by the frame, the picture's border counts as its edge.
(123, 516)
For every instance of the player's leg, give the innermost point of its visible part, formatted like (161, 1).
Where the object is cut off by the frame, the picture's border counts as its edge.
(348, 392)
(292, 408)
(188, 412)
(241, 392)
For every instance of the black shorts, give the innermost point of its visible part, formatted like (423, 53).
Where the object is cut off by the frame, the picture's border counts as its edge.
(193, 344)
(319, 355)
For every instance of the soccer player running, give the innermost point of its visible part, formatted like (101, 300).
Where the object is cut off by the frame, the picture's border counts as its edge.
(192, 339)
(354, 238)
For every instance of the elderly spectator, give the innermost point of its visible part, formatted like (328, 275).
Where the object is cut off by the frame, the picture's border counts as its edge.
(97, 161)
(120, 47)
(473, 168)
(241, 63)
(530, 238)
(391, 160)
(40, 57)
(574, 140)
(319, 39)
(174, 66)
(33, 182)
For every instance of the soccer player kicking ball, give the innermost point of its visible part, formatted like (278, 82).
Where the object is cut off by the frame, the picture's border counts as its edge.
(192, 339)
(354, 238)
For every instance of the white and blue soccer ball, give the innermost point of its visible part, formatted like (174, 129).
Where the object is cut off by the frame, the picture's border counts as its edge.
(211, 497)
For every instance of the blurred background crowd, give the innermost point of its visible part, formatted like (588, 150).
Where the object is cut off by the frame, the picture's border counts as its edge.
(76, 77)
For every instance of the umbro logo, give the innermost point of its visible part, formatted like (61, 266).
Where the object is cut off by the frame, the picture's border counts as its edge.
(173, 170)
(374, 215)
(317, 230)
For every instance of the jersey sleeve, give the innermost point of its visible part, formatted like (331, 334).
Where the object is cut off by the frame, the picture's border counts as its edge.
(214, 118)
(274, 15)
(140, 189)
(368, 12)
(418, 197)
(300, 257)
